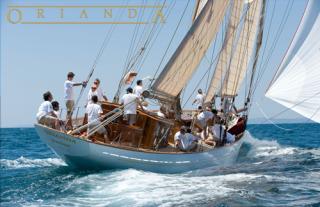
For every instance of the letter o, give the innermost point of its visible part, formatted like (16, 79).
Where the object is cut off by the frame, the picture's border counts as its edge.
(19, 14)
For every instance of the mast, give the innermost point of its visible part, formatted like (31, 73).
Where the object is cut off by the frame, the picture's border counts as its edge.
(243, 51)
(190, 52)
(226, 54)
(297, 83)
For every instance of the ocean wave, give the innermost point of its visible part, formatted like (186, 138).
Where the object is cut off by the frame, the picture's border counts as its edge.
(23, 162)
(267, 148)
(137, 188)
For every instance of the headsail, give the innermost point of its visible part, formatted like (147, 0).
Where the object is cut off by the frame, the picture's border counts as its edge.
(297, 84)
(192, 49)
(243, 50)
(226, 53)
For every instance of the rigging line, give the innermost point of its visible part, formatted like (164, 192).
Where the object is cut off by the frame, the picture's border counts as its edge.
(268, 33)
(279, 31)
(129, 53)
(120, 85)
(132, 42)
(219, 53)
(258, 49)
(152, 33)
(149, 38)
(247, 59)
(154, 39)
(225, 81)
(101, 50)
(191, 52)
(176, 29)
(269, 120)
(140, 42)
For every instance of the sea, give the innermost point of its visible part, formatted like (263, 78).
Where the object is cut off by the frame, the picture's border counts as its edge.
(276, 166)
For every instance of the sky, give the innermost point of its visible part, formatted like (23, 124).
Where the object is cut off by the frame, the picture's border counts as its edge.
(35, 58)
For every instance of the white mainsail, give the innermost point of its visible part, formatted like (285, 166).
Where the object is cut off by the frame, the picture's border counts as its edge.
(226, 52)
(243, 51)
(192, 49)
(297, 84)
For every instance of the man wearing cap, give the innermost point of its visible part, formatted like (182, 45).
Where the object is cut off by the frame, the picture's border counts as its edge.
(69, 96)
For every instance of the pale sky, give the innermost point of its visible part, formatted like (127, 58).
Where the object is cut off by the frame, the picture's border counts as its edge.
(35, 58)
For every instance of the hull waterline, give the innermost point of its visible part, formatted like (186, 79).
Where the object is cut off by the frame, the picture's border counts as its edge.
(85, 154)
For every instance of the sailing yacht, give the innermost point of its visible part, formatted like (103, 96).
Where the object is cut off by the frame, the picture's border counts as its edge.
(141, 146)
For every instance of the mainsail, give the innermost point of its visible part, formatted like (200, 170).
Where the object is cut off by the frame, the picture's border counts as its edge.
(226, 53)
(243, 50)
(192, 49)
(297, 83)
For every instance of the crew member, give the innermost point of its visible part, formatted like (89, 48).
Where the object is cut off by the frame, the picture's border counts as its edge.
(199, 100)
(94, 113)
(69, 96)
(45, 113)
(130, 102)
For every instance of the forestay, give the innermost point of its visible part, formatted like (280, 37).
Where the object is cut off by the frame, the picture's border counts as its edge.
(297, 84)
(243, 51)
(192, 49)
(226, 52)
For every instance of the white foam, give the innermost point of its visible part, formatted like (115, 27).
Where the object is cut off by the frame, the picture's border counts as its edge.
(266, 148)
(137, 188)
(23, 162)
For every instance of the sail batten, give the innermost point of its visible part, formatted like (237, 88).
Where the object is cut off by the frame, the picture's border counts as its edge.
(297, 86)
(243, 51)
(192, 49)
(226, 52)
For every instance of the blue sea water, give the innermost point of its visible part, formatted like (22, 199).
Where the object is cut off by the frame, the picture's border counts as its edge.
(274, 168)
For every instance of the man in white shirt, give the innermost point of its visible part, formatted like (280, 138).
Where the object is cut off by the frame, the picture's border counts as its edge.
(130, 102)
(184, 140)
(199, 100)
(202, 119)
(45, 115)
(94, 113)
(218, 131)
(68, 92)
(100, 94)
(138, 89)
(92, 92)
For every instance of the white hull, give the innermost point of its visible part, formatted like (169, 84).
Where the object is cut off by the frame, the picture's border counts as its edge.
(85, 154)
